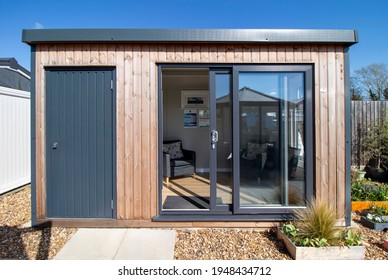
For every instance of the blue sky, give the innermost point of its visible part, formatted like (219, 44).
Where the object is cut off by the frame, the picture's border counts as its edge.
(368, 17)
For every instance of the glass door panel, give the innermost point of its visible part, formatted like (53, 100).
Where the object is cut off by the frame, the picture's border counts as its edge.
(224, 146)
(271, 129)
(221, 151)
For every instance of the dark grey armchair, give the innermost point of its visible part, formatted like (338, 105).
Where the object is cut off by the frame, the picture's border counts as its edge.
(177, 161)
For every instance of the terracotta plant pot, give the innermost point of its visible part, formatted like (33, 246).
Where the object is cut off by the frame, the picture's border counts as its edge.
(385, 245)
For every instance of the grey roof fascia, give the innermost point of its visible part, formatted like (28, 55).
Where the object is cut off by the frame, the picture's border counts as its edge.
(34, 36)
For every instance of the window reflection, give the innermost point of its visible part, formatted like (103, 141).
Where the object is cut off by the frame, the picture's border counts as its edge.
(271, 139)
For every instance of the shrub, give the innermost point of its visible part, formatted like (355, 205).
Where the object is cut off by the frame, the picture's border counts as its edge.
(367, 190)
(375, 144)
(315, 227)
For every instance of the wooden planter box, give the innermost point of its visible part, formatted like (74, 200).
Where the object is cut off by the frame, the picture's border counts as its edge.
(374, 225)
(321, 253)
(363, 205)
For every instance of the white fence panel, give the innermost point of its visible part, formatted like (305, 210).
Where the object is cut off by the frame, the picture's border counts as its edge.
(15, 148)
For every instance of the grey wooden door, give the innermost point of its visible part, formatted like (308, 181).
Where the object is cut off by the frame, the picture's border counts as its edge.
(80, 145)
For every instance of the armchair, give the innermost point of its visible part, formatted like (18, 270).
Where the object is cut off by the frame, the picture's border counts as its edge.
(252, 159)
(177, 161)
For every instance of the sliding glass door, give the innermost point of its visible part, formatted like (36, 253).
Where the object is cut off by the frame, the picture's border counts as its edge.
(272, 137)
(255, 138)
(221, 162)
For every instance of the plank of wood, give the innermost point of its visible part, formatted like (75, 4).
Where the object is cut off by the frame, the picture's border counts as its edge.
(127, 199)
(39, 140)
(264, 53)
(196, 52)
(85, 54)
(187, 54)
(154, 124)
(306, 53)
(280, 53)
(289, 49)
(103, 54)
(120, 129)
(229, 53)
(212, 53)
(145, 133)
(204, 56)
(332, 125)
(221, 53)
(238, 54)
(139, 223)
(322, 186)
(162, 55)
(298, 57)
(77, 48)
(315, 56)
(137, 156)
(179, 53)
(255, 53)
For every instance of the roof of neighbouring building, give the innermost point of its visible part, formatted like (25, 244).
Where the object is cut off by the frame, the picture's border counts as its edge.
(13, 75)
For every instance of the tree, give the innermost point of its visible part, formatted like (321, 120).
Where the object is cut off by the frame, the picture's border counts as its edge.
(355, 90)
(372, 81)
(375, 149)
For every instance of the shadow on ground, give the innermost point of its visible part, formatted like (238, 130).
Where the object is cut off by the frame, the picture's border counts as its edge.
(13, 241)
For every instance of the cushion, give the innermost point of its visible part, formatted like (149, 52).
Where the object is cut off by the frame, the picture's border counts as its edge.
(174, 149)
(181, 162)
(255, 149)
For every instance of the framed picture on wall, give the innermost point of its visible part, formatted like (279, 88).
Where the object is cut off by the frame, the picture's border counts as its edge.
(190, 119)
(194, 99)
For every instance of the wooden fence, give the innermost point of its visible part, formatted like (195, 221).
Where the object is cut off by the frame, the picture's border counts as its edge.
(364, 115)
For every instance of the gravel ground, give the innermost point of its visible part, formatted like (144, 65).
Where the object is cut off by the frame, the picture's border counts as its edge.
(229, 244)
(20, 241)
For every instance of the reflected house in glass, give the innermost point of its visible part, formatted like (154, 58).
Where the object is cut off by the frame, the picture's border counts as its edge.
(268, 112)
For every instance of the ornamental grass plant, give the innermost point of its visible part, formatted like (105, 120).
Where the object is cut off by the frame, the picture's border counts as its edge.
(317, 221)
(315, 226)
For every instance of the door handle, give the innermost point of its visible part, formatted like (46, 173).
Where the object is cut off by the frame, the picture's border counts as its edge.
(214, 138)
(55, 145)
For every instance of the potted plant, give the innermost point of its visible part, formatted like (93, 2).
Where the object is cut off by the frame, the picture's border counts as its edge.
(357, 174)
(314, 235)
(375, 218)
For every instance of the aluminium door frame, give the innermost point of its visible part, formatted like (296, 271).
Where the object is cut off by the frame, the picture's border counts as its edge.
(269, 213)
(307, 69)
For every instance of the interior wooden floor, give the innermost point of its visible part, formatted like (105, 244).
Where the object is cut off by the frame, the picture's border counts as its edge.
(193, 193)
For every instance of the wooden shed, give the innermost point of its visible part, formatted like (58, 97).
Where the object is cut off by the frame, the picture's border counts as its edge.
(188, 128)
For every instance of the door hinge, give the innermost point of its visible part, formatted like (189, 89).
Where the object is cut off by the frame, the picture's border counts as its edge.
(111, 204)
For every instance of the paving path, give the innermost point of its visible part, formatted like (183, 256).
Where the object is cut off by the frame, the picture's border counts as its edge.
(119, 244)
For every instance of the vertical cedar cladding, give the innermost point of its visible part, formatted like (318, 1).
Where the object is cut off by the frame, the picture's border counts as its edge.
(137, 114)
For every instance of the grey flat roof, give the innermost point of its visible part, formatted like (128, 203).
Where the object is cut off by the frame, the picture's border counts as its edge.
(35, 36)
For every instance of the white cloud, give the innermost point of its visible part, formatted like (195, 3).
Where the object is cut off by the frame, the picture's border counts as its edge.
(38, 25)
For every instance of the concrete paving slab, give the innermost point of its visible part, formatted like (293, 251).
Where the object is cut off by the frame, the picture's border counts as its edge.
(147, 244)
(119, 244)
(92, 244)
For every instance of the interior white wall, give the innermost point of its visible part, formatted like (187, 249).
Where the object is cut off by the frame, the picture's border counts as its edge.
(196, 139)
